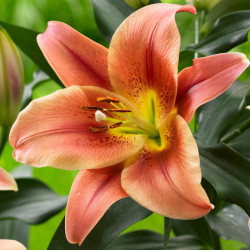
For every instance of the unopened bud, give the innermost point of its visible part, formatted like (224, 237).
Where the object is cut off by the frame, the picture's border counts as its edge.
(248, 107)
(11, 80)
(136, 4)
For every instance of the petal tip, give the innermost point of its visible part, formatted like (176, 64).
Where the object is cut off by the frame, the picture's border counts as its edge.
(212, 206)
(190, 8)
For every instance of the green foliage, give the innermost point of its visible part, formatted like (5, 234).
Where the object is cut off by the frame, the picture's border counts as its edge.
(222, 8)
(34, 202)
(109, 15)
(15, 230)
(230, 223)
(118, 217)
(228, 172)
(198, 228)
(223, 133)
(150, 240)
(228, 32)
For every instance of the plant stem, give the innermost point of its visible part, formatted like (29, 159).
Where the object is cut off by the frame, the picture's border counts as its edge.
(236, 132)
(196, 33)
(167, 230)
(3, 138)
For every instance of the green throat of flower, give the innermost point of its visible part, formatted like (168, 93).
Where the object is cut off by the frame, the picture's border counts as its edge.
(127, 122)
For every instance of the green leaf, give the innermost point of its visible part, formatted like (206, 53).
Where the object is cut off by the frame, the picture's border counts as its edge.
(222, 8)
(231, 223)
(14, 230)
(150, 240)
(220, 113)
(186, 26)
(241, 143)
(118, 217)
(138, 240)
(185, 59)
(228, 172)
(198, 228)
(109, 15)
(38, 78)
(228, 32)
(238, 134)
(33, 203)
(25, 39)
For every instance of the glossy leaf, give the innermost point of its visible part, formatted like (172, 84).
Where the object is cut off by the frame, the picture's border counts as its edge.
(119, 216)
(219, 114)
(199, 228)
(240, 143)
(228, 172)
(238, 134)
(150, 240)
(14, 230)
(33, 203)
(222, 8)
(25, 39)
(228, 32)
(109, 15)
(231, 223)
(185, 59)
(137, 240)
(186, 23)
(38, 78)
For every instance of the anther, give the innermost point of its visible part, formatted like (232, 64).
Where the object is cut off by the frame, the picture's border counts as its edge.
(117, 110)
(116, 125)
(98, 129)
(108, 99)
(89, 108)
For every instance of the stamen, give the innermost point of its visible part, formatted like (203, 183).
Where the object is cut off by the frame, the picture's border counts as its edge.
(89, 108)
(108, 99)
(118, 110)
(99, 116)
(116, 125)
(98, 129)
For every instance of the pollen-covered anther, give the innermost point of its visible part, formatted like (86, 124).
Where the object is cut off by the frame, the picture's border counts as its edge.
(116, 125)
(89, 108)
(99, 116)
(118, 110)
(98, 129)
(108, 99)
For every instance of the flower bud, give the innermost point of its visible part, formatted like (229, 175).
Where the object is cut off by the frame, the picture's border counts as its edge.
(11, 80)
(203, 4)
(136, 4)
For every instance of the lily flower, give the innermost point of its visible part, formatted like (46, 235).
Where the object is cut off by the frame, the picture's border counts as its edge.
(6, 181)
(139, 143)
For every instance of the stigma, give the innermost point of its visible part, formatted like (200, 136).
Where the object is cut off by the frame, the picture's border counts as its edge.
(99, 116)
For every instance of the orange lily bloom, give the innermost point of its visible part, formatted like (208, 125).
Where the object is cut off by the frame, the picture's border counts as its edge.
(6, 181)
(140, 144)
